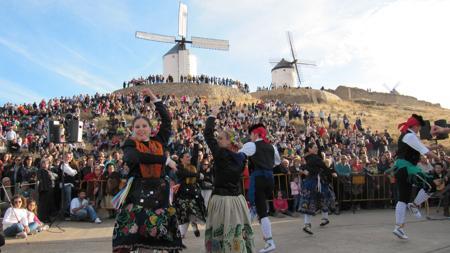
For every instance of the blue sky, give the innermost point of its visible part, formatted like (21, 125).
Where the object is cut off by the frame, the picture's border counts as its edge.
(61, 48)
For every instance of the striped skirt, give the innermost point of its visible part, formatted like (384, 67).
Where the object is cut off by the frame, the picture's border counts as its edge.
(228, 226)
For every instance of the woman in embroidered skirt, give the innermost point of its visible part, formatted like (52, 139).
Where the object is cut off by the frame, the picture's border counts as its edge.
(188, 201)
(146, 220)
(316, 193)
(228, 226)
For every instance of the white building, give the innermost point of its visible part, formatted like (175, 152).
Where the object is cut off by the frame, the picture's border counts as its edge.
(283, 74)
(178, 61)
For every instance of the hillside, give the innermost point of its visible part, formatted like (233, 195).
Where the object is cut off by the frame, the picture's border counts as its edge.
(214, 93)
(378, 116)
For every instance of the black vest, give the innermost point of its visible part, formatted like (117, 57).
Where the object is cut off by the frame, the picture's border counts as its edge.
(406, 152)
(263, 159)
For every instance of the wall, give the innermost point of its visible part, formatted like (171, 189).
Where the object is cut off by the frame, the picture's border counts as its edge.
(350, 93)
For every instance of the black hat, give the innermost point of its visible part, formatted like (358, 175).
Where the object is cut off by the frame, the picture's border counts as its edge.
(419, 118)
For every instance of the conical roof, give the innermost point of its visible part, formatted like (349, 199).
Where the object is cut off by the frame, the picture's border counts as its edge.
(176, 48)
(283, 64)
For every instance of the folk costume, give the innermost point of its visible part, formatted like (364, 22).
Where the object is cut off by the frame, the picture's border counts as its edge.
(146, 220)
(228, 226)
(188, 200)
(407, 173)
(263, 157)
(316, 193)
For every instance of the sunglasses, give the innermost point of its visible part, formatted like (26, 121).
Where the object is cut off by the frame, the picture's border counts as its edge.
(18, 201)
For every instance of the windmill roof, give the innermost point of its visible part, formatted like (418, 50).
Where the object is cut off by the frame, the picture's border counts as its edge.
(283, 64)
(176, 48)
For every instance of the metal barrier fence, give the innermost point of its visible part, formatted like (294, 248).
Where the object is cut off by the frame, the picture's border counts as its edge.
(352, 189)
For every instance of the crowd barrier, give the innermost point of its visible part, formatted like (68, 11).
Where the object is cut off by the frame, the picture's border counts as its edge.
(354, 189)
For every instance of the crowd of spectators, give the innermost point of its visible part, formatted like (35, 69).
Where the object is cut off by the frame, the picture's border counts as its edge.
(197, 79)
(34, 168)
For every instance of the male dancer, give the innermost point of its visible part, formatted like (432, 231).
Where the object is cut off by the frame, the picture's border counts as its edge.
(262, 158)
(408, 173)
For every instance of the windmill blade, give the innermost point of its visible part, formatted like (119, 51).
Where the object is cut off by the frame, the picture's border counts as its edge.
(274, 60)
(387, 87)
(306, 64)
(182, 20)
(298, 74)
(210, 43)
(155, 37)
(291, 45)
(294, 58)
(396, 85)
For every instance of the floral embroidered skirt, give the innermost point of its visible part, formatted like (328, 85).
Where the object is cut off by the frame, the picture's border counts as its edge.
(139, 227)
(228, 226)
(190, 208)
(311, 200)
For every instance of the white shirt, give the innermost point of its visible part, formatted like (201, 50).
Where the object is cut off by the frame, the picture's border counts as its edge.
(14, 216)
(11, 135)
(76, 203)
(413, 141)
(68, 170)
(249, 149)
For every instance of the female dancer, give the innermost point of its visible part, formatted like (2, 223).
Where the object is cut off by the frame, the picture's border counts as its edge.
(147, 221)
(188, 200)
(228, 226)
(316, 193)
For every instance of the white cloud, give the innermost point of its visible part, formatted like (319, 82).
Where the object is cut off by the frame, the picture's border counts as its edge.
(62, 67)
(367, 43)
(16, 93)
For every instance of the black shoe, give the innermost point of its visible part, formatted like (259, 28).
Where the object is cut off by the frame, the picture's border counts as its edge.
(324, 222)
(307, 229)
(197, 233)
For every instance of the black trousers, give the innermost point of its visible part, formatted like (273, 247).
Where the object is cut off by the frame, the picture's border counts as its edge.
(263, 191)
(46, 204)
(403, 185)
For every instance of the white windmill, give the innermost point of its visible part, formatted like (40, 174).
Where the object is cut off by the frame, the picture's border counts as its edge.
(178, 61)
(392, 90)
(286, 73)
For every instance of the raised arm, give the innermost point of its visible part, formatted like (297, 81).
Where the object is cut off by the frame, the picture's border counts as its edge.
(209, 135)
(194, 158)
(166, 122)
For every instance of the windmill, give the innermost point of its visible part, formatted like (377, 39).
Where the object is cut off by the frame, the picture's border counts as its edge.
(178, 61)
(285, 72)
(392, 90)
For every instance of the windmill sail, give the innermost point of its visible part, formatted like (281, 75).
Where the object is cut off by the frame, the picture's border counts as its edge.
(294, 58)
(182, 20)
(155, 37)
(210, 43)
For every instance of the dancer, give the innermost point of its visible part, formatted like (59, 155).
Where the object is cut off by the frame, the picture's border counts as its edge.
(188, 200)
(316, 193)
(408, 173)
(147, 221)
(263, 156)
(228, 226)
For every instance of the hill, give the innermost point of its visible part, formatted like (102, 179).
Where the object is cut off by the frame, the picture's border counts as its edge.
(214, 93)
(377, 115)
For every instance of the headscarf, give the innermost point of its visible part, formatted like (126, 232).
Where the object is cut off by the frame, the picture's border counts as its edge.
(414, 120)
(262, 132)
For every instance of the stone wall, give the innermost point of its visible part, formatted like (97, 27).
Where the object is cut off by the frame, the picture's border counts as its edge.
(351, 93)
(294, 95)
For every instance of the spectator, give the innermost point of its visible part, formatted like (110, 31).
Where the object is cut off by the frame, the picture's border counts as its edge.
(15, 220)
(295, 192)
(46, 190)
(280, 204)
(80, 209)
(33, 221)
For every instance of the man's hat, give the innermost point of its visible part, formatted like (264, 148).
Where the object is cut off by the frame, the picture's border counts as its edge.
(419, 118)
